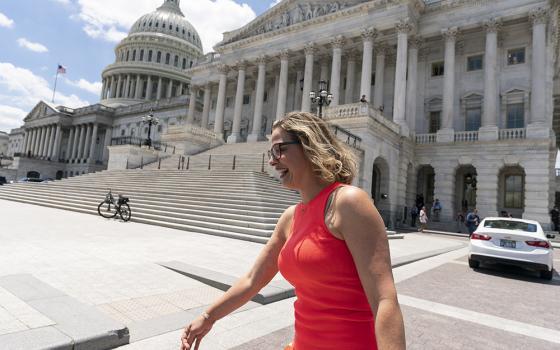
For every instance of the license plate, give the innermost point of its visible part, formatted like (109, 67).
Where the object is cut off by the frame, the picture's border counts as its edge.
(506, 243)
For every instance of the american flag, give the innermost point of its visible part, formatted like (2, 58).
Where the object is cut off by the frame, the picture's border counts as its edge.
(61, 69)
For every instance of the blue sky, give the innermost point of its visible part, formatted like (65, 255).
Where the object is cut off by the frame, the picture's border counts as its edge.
(37, 35)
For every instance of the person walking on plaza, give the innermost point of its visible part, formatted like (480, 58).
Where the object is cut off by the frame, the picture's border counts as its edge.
(437, 209)
(423, 219)
(555, 218)
(472, 220)
(413, 215)
(332, 247)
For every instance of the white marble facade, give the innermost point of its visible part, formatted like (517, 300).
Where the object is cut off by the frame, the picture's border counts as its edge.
(460, 94)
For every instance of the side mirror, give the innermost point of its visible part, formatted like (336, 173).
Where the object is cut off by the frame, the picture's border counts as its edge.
(550, 236)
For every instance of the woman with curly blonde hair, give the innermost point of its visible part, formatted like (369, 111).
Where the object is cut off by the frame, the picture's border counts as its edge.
(332, 247)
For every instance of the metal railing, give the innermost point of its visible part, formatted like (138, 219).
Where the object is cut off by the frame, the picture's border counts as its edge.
(244, 162)
(346, 136)
(138, 141)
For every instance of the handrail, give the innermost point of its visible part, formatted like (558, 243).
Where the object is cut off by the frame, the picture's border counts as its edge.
(351, 139)
(138, 141)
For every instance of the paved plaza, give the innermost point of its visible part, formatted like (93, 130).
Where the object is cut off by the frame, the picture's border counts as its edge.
(110, 277)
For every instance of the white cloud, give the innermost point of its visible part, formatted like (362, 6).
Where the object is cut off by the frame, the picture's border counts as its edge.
(35, 47)
(21, 90)
(5, 21)
(111, 19)
(64, 2)
(274, 3)
(94, 88)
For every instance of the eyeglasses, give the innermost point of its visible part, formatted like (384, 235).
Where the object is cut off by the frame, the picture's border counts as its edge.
(275, 151)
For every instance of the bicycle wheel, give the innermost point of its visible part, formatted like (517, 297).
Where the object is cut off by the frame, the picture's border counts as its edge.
(107, 210)
(125, 212)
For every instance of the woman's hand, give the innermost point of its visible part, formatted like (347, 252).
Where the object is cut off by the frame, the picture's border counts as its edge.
(194, 333)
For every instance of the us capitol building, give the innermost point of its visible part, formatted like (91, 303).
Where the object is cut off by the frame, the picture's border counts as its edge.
(460, 98)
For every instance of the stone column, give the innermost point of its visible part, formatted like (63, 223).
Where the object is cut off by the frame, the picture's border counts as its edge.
(298, 90)
(25, 141)
(350, 77)
(487, 187)
(411, 87)
(538, 68)
(192, 105)
(37, 140)
(159, 88)
(444, 184)
(31, 147)
(179, 90)
(489, 129)
(206, 105)
(381, 51)
(399, 105)
(57, 140)
(69, 149)
(138, 92)
(106, 143)
(149, 88)
(236, 127)
(119, 88)
(77, 130)
(337, 43)
(93, 143)
(446, 135)
(127, 86)
(169, 88)
(221, 102)
(256, 134)
(282, 85)
(81, 140)
(87, 142)
(324, 68)
(368, 35)
(103, 89)
(52, 131)
(308, 77)
(113, 91)
(42, 141)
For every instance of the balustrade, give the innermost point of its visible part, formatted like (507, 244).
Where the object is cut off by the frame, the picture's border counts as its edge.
(466, 136)
(425, 138)
(508, 134)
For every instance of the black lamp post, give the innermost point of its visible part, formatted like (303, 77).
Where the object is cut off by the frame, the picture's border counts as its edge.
(322, 98)
(150, 120)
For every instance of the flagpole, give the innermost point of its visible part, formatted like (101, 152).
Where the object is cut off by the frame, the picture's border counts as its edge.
(55, 80)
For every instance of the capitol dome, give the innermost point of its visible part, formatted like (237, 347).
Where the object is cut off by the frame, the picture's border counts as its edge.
(151, 62)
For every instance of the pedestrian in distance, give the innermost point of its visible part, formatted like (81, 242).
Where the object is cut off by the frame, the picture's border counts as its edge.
(555, 218)
(332, 247)
(413, 215)
(363, 99)
(423, 219)
(472, 220)
(437, 209)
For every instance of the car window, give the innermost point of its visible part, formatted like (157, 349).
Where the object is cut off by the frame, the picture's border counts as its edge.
(511, 225)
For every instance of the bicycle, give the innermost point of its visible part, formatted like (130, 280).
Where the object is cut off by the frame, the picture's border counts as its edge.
(109, 208)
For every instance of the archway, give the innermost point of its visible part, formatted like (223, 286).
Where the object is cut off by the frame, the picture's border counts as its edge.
(425, 187)
(511, 191)
(59, 175)
(380, 188)
(465, 188)
(33, 174)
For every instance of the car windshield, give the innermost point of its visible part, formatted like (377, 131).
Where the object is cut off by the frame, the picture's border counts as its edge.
(511, 225)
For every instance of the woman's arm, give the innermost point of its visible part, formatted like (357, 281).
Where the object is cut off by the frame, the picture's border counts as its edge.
(357, 220)
(262, 272)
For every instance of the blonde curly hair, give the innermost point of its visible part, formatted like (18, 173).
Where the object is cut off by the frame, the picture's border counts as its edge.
(332, 160)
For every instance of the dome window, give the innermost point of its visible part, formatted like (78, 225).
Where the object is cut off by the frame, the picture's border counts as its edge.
(176, 61)
(127, 54)
(134, 55)
(141, 55)
(183, 31)
(162, 25)
(189, 34)
(150, 56)
(170, 27)
(177, 29)
(184, 63)
(144, 24)
(158, 59)
(149, 25)
(167, 58)
(157, 24)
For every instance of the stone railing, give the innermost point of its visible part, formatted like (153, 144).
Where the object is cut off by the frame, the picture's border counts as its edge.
(359, 109)
(182, 100)
(508, 134)
(425, 138)
(200, 131)
(466, 136)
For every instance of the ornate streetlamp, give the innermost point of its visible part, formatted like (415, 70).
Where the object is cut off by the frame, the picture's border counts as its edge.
(322, 98)
(150, 120)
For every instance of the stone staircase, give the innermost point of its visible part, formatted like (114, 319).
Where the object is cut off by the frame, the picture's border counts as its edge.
(239, 204)
(236, 156)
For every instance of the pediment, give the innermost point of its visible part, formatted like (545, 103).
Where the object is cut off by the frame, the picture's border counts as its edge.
(41, 110)
(286, 14)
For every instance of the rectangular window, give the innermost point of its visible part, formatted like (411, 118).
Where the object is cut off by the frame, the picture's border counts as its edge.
(434, 122)
(141, 55)
(474, 63)
(516, 56)
(167, 58)
(472, 122)
(158, 57)
(150, 56)
(246, 99)
(176, 61)
(214, 103)
(437, 69)
(515, 116)
(513, 191)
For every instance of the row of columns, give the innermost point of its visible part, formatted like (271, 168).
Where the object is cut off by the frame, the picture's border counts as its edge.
(43, 141)
(405, 88)
(131, 86)
(81, 143)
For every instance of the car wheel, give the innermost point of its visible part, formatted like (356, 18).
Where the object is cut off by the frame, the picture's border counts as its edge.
(474, 264)
(547, 275)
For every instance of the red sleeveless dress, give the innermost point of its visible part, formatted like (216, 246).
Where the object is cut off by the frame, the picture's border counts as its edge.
(331, 310)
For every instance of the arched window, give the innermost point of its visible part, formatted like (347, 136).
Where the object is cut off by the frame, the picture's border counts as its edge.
(170, 27)
(176, 61)
(158, 58)
(167, 58)
(163, 25)
(150, 56)
(189, 34)
(127, 54)
(157, 24)
(134, 55)
(177, 29)
(184, 63)
(150, 24)
(141, 55)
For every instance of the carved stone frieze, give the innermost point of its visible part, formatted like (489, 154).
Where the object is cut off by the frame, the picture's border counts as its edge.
(539, 15)
(492, 25)
(223, 69)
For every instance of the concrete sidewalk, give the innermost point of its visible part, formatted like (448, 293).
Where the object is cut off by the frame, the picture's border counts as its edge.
(53, 262)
